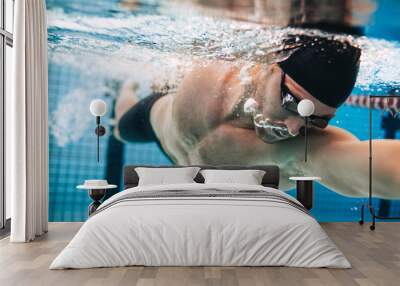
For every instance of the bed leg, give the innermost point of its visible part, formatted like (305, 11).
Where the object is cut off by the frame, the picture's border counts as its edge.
(361, 221)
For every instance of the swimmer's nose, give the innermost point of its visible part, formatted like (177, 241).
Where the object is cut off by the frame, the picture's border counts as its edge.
(294, 124)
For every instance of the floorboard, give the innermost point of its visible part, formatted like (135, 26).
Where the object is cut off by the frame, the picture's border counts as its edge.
(374, 255)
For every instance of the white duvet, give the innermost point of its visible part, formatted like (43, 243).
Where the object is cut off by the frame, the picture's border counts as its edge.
(183, 231)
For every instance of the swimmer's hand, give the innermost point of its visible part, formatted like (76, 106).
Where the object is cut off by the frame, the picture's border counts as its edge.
(126, 99)
(117, 134)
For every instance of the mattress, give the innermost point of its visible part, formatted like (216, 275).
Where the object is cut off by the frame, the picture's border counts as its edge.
(201, 225)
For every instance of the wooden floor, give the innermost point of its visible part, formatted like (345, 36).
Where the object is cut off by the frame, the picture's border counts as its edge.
(375, 257)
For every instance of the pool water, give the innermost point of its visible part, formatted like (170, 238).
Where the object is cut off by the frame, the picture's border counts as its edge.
(95, 46)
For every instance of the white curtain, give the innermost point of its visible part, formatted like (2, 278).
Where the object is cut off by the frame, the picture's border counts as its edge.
(26, 117)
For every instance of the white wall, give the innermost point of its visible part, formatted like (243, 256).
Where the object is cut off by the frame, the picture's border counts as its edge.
(9, 65)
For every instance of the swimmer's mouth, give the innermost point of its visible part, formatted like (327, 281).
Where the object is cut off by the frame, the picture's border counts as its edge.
(279, 135)
(270, 131)
(282, 134)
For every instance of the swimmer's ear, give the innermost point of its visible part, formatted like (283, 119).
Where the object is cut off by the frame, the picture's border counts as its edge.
(250, 106)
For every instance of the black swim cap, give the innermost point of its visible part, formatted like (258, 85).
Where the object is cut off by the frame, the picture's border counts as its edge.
(326, 68)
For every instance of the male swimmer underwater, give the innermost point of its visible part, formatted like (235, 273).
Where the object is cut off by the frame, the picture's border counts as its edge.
(225, 114)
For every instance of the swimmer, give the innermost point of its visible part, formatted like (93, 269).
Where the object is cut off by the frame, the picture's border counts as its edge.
(222, 113)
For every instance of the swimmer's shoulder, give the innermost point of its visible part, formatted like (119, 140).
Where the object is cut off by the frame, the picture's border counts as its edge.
(210, 77)
(211, 69)
(334, 134)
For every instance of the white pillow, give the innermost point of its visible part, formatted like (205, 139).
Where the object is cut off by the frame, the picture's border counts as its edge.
(248, 177)
(163, 176)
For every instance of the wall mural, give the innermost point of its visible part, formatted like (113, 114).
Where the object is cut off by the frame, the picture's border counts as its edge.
(219, 82)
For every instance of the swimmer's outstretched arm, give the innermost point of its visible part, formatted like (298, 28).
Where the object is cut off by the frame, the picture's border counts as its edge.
(342, 162)
(338, 157)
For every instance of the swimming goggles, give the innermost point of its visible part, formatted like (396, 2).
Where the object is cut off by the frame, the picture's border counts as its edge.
(290, 102)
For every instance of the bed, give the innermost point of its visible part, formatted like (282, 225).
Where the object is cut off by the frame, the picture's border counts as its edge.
(201, 224)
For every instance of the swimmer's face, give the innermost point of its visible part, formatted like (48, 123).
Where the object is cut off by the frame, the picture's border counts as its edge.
(271, 101)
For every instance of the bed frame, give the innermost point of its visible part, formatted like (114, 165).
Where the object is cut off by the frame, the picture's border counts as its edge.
(270, 179)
